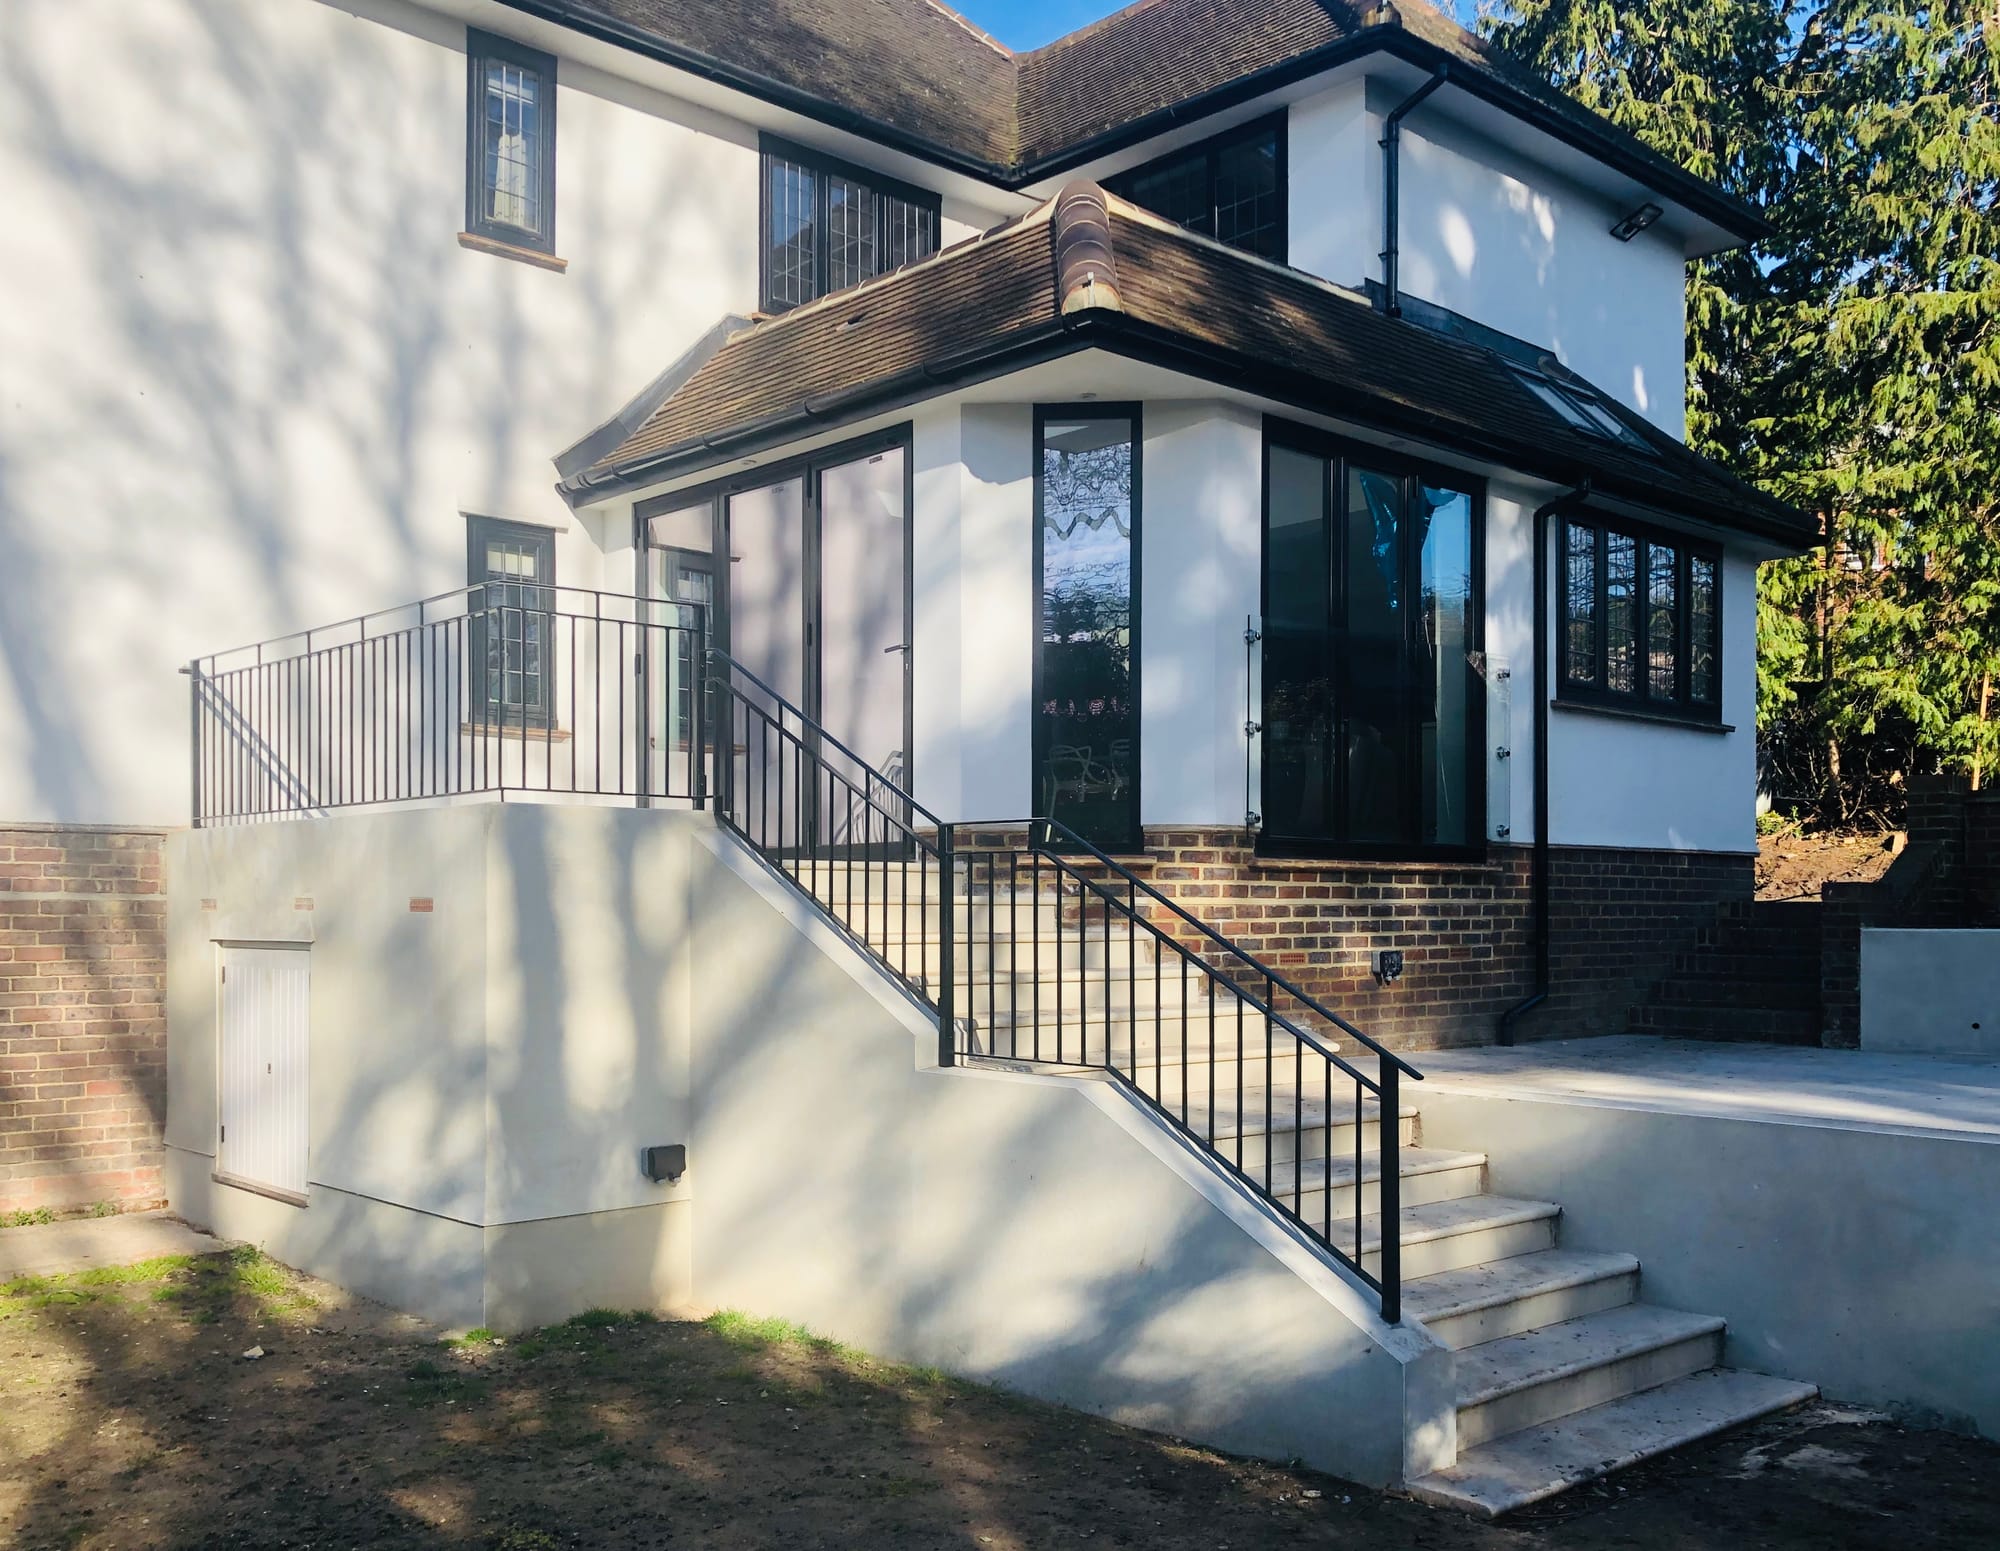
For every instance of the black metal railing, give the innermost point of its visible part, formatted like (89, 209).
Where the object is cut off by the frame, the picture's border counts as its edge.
(875, 860)
(1052, 953)
(499, 689)
(1083, 963)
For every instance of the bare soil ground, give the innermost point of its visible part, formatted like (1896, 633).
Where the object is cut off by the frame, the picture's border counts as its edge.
(1796, 866)
(129, 1417)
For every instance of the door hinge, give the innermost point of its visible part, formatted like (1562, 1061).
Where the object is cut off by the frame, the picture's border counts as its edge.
(225, 974)
(222, 1133)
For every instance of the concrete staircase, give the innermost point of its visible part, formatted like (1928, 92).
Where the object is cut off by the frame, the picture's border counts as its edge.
(1564, 1373)
(1752, 974)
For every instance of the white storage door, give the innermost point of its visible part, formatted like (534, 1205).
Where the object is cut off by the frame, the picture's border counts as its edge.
(261, 1067)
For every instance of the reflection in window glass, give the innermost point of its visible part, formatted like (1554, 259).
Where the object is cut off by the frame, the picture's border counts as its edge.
(1228, 188)
(513, 146)
(1703, 683)
(1443, 670)
(1372, 695)
(1621, 611)
(1580, 605)
(1375, 709)
(1298, 692)
(1086, 728)
(1662, 620)
(850, 233)
(791, 269)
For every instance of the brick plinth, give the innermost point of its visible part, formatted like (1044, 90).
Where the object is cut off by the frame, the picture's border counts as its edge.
(1617, 918)
(82, 1016)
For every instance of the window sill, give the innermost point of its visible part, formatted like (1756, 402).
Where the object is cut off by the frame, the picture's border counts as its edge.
(504, 730)
(510, 250)
(1632, 714)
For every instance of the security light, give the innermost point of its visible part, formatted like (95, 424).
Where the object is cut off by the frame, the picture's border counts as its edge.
(1637, 222)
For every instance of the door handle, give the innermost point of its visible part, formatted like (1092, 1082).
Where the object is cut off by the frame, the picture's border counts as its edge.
(887, 650)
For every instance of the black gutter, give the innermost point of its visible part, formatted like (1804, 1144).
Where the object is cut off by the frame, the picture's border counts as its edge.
(1538, 887)
(1392, 185)
(1655, 172)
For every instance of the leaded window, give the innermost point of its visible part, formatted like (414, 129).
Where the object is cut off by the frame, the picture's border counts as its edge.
(512, 571)
(1641, 621)
(1231, 188)
(510, 134)
(827, 226)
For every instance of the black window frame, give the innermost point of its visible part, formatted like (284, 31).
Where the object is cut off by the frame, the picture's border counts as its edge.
(1640, 700)
(482, 48)
(1039, 748)
(538, 713)
(1344, 452)
(823, 166)
(1209, 152)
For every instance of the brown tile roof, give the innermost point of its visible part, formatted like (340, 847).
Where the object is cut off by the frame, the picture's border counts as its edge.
(990, 305)
(913, 73)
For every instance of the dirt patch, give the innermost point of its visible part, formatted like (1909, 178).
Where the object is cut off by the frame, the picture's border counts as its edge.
(132, 1419)
(1797, 866)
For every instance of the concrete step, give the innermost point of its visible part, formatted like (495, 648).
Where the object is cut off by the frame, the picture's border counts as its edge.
(1537, 1376)
(1487, 1302)
(1467, 1231)
(1013, 992)
(1539, 1462)
(1018, 920)
(1282, 1123)
(1323, 1192)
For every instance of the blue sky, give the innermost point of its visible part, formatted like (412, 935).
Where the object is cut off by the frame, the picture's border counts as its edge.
(1031, 23)
(1022, 24)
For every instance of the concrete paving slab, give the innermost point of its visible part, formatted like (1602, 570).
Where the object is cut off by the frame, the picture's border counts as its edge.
(83, 1243)
(1861, 1090)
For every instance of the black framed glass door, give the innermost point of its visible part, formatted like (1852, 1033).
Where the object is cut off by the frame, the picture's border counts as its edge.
(813, 598)
(1086, 672)
(1373, 675)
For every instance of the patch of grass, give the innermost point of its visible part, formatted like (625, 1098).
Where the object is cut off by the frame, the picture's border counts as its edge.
(28, 1217)
(104, 1209)
(431, 1385)
(525, 1540)
(158, 1269)
(754, 1334)
(609, 1319)
(478, 1335)
(45, 1292)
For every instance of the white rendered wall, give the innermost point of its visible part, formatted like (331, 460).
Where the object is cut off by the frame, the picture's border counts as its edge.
(249, 379)
(1201, 537)
(1617, 781)
(1490, 235)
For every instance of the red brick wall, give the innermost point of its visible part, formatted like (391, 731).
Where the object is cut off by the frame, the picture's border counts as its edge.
(1464, 928)
(82, 1016)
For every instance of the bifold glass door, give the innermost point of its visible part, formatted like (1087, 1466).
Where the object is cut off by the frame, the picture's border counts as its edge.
(1371, 666)
(813, 599)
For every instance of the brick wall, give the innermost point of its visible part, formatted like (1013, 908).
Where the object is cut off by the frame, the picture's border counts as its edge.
(82, 1020)
(1982, 859)
(1464, 929)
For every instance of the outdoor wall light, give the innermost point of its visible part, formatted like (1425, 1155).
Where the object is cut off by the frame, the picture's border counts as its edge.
(1637, 222)
(664, 1165)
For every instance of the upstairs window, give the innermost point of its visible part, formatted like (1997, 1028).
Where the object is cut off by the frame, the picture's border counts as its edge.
(1641, 622)
(1231, 188)
(510, 140)
(827, 225)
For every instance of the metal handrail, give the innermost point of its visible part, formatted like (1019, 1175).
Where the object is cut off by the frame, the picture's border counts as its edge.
(206, 663)
(717, 655)
(1250, 960)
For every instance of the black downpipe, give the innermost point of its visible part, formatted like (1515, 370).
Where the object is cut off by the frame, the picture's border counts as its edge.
(1539, 872)
(1392, 180)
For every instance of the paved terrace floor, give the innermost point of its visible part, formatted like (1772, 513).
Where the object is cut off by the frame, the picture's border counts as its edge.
(1780, 1084)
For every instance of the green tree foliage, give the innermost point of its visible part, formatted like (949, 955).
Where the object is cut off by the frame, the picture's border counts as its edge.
(1850, 363)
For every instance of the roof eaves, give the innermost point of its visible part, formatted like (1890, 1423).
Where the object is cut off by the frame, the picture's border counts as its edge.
(1598, 139)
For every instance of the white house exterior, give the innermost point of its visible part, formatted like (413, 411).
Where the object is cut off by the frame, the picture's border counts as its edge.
(956, 395)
